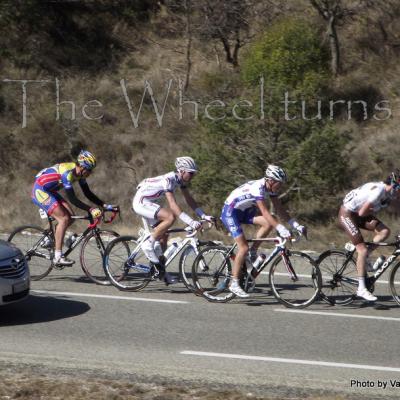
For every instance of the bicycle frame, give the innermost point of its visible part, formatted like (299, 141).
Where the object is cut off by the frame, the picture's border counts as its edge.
(145, 235)
(388, 262)
(92, 226)
(279, 248)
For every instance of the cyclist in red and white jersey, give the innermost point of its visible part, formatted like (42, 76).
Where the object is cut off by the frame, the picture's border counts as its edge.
(358, 212)
(152, 190)
(246, 205)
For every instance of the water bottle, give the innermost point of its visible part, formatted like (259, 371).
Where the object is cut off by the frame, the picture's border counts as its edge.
(259, 260)
(70, 239)
(158, 249)
(170, 250)
(378, 263)
(252, 269)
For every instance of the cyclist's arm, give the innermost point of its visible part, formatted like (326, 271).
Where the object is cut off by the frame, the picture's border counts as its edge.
(179, 213)
(266, 214)
(191, 202)
(75, 201)
(89, 194)
(280, 209)
(366, 209)
(173, 205)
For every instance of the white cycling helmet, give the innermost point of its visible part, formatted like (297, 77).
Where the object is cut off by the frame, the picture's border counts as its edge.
(185, 164)
(276, 173)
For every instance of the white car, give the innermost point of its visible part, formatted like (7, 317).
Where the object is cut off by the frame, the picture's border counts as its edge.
(14, 274)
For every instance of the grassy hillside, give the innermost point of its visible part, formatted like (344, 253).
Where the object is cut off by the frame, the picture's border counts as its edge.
(99, 54)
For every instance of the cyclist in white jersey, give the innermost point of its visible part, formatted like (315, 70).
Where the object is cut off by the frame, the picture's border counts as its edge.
(152, 190)
(358, 212)
(244, 206)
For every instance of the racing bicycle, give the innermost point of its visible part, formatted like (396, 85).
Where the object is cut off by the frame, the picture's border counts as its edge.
(339, 273)
(128, 268)
(37, 245)
(293, 277)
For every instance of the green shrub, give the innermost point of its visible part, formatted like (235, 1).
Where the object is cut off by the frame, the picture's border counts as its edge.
(289, 55)
(319, 165)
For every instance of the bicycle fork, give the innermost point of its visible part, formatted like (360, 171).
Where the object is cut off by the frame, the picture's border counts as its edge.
(289, 267)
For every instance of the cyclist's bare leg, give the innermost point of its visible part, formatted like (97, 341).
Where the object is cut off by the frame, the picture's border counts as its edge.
(362, 252)
(164, 241)
(69, 209)
(242, 249)
(362, 290)
(167, 219)
(63, 218)
(263, 231)
(382, 232)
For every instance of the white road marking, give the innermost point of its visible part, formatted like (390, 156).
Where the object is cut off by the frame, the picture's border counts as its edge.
(332, 314)
(291, 361)
(103, 296)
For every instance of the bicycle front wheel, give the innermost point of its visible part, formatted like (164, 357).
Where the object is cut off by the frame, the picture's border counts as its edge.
(339, 277)
(92, 253)
(295, 280)
(37, 246)
(124, 271)
(211, 274)
(186, 263)
(394, 283)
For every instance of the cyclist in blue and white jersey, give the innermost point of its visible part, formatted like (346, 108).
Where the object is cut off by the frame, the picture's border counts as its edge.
(152, 190)
(246, 205)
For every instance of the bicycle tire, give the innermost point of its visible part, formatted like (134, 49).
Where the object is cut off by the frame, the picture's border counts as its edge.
(299, 293)
(186, 262)
(123, 276)
(337, 289)
(394, 283)
(211, 274)
(28, 238)
(92, 252)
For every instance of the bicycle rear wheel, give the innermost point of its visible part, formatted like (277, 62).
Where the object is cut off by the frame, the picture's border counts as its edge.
(394, 283)
(339, 284)
(92, 253)
(125, 274)
(37, 246)
(295, 280)
(211, 274)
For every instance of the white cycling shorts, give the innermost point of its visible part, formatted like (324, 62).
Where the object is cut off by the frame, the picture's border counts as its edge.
(146, 209)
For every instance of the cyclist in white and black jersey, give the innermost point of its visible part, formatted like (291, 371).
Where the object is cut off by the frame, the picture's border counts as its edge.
(246, 205)
(358, 212)
(152, 190)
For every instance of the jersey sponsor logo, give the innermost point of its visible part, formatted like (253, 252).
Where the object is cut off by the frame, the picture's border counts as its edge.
(41, 196)
(385, 265)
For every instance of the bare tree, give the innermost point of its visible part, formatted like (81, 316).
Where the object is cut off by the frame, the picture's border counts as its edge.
(188, 16)
(335, 13)
(225, 21)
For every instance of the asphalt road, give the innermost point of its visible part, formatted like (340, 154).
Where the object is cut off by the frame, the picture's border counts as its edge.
(168, 334)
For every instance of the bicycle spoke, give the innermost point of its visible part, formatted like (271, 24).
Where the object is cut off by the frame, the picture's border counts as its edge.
(212, 274)
(92, 253)
(300, 292)
(127, 271)
(338, 288)
(38, 248)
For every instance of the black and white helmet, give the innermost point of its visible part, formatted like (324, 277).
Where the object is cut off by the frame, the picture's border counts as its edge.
(185, 164)
(276, 173)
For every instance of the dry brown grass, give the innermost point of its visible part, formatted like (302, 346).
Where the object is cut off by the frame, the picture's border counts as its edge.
(23, 387)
